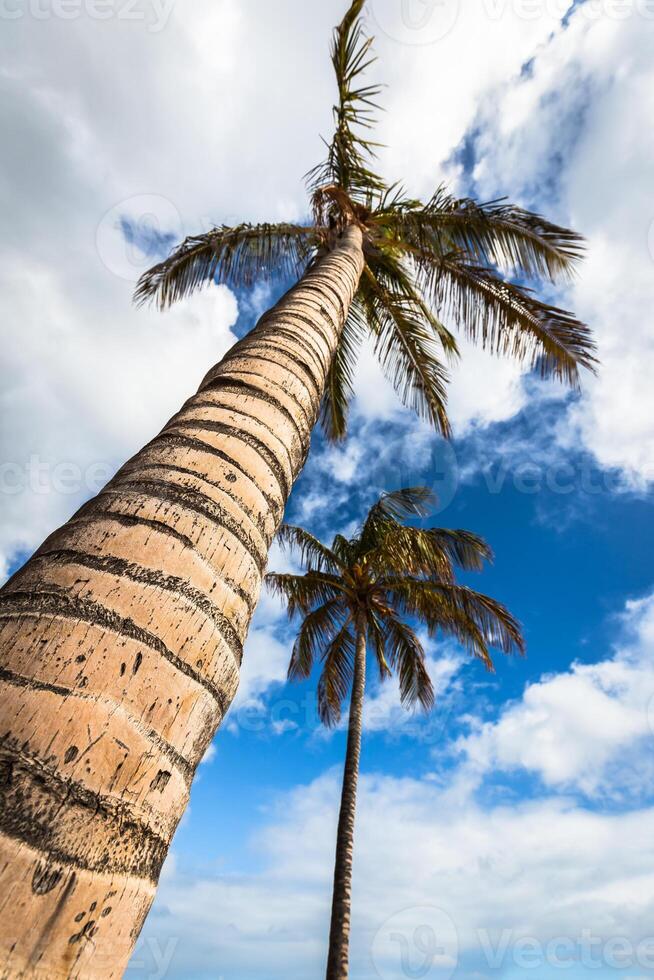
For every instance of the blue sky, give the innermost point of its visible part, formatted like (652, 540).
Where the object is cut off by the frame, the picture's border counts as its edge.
(508, 834)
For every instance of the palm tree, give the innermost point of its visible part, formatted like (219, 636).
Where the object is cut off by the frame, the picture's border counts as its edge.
(121, 639)
(358, 594)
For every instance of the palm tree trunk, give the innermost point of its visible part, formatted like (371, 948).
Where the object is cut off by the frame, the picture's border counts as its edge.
(339, 933)
(121, 640)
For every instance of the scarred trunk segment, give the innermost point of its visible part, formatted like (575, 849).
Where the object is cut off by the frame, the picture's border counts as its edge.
(121, 640)
(339, 934)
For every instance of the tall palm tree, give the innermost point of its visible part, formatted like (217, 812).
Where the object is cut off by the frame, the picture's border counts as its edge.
(121, 639)
(359, 594)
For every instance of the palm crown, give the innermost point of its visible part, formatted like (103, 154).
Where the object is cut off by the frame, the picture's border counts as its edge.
(371, 583)
(447, 260)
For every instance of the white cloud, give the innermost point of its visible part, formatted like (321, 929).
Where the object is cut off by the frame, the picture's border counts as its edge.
(542, 870)
(591, 728)
(88, 378)
(561, 135)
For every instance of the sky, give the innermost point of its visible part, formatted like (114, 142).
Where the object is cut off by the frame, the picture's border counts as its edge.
(509, 833)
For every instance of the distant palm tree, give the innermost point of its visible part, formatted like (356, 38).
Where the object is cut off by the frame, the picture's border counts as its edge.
(360, 593)
(121, 639)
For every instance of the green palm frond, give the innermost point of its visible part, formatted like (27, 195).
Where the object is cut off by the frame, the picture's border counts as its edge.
(312, 553)
(494, 234)
(395, 274)
(347, 164)
(407, 658)
(409, 502)
(433, 552)
(336, 677)
(339, 388)
(344, 550)
(475, 620)
(508, 320)
(407, 348)
(314, 639)
(239, 256)
(302, 593)
(377, 640)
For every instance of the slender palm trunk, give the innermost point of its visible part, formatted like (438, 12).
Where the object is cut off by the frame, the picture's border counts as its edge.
(339, 933)
(121, 640)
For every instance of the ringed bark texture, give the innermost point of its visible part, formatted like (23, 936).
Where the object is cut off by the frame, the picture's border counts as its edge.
(339, 934)
(121, 640)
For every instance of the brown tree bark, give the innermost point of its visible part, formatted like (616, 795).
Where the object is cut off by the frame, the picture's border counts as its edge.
(339, 933)
(121, 640)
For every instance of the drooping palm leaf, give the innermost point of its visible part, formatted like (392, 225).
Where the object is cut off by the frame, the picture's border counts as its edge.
(316, 633)
(337, 674)
(493, 234)
(311, 552)
(238, 257)
(507, 320)
(407, 658)
(302, 593)
(339, 388)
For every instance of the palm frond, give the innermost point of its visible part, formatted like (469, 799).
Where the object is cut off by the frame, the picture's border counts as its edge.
(344, 550)
(407, 657)
(313, 554)
(508, 320)
(406, 503)
(315, 637)
(407, 348)
(433, 552)
(339, 387)
(493, 234)
(238, 257)
(376, 639)
(477, 621)
(347, 164)
(396, 274)
(383, 516)
(337, 674)
(301, 593)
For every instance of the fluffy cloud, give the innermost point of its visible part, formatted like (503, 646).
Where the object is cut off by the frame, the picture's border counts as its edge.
(200, 120)
(560, 138)
(589, 729)
(486, 878)
(507, 884)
